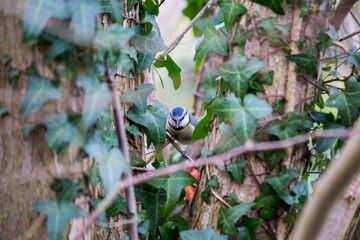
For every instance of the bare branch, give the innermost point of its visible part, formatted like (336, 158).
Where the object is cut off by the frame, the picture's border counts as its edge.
(349, 35)
(123, 142)
(182, 34)
(326, 191)
(248, 147)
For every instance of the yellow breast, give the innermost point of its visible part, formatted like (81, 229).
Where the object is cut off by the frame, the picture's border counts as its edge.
(183, 135)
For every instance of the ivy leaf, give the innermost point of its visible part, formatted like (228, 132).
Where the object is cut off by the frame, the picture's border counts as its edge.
(305, 62)
(290, 127)
(206, 234)
(114, 38)
(298, 194)
(236, 170)
(154, 119)
(201, 129)
(39, 91)
(172, 68)
(213, 182)
(228, 139)
(242, 116)
(213, 41)
(151, 6)
(152, 198)
(37, 13)
(281, 183)
(209, 84)
(66, 189)
(237, 71)
(138, 97)
(228, 217)
(272, 157)
(57, 216)
(353, 58)
(150, 18)
(275, 5)
(116, 207)
(147, 47)
(83, 19)
(61, 132)
(231, 11)
(268, 202)
(173, 186)
(112, 163)
(347, 102)
(96, 99)
(324, 41)
(247, 228)
(106, 128)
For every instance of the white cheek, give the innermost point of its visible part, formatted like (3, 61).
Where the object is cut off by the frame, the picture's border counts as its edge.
(185, 121)
(171, 121)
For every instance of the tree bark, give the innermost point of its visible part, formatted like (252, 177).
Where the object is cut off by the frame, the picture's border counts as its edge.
(287, 85)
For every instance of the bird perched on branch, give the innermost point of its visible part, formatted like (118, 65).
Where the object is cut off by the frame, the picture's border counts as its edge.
(181, 124)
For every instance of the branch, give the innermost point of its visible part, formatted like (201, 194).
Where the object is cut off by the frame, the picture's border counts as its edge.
(182, 34)
(183, 153)
(349, 35)
(248, 147)
(328, 187)
(123, 142)
(340, 13)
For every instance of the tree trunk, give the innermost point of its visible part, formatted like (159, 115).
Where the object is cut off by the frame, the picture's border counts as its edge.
(288, 86)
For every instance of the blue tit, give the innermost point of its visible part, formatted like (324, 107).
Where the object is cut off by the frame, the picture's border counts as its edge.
(181, 124)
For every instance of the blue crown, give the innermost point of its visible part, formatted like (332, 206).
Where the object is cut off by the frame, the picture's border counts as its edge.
(178, 111)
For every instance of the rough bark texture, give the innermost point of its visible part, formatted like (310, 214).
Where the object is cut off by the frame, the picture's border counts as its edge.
(287, 86)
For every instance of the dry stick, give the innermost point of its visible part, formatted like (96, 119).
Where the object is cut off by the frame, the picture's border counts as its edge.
(334, 180)
(122, 139)
(246, 148)
(349, 35)
(182, 34)
(183, 153)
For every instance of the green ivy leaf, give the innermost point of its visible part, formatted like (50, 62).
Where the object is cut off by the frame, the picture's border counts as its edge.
(37, 13)
(213, 41)
(66, 189)
(152, 198)
(173, 185)
(39, 91)
(353, 58)
(114, 38)
(147, 47)
(57, 216)
(324, 41)
(275, 5)
(272, 157)
(116, 207)
(138, 97)
(209, 83)
(232, 10)
(228, 139)
(152, 6)
(237, 71)
(236, 170)
(281, 183)
(58, 47)
(242, 116)
(213, 182)
(268, 202)
(112, 164)
(168, 233)
(154, 119)
(298, 194)
(305, 62)
(61, 132)
(172, 68)
(206, 234)
(201, 129)
(228, 217)
(290, 127)
(247, 228)
(96, 99)
(83, 16)
(150, 18)
(347, 102)
(106, 128)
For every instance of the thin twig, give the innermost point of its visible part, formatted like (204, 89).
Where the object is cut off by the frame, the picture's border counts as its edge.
(246, 148)
(122, 139)
(183, 153)
(182, 34)
(314, 84)
(349, 35)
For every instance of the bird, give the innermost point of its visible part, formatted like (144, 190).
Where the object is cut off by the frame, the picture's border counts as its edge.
(181, 124)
